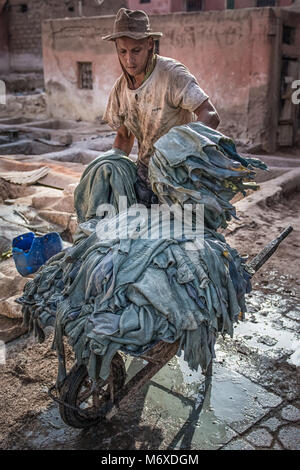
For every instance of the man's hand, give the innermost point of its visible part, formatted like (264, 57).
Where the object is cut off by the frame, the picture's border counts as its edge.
(124, 140)
(207, 114)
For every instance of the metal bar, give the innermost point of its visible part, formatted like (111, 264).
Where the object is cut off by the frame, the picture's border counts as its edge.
(156, 353)
(59, 401)
(256, 263)
(124, 396)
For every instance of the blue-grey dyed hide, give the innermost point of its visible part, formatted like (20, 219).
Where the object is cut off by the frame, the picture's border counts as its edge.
(105, 295)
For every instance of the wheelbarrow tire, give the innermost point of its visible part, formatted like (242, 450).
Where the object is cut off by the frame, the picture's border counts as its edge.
(71, 388)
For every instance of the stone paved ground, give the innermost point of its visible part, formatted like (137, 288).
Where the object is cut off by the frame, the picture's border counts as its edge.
(272, 432)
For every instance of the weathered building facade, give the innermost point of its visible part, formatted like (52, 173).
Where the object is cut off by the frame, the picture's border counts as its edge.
(20, 21)
(21, 25)
(153, 7)
(246, 60)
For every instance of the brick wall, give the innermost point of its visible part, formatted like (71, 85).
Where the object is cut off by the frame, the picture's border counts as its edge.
(24, 24)
(25, 29)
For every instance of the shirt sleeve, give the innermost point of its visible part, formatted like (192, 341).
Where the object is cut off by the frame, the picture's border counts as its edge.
(112, 112)
(186, 92)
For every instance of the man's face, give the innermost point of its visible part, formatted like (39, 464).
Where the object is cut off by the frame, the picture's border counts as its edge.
(133, 54)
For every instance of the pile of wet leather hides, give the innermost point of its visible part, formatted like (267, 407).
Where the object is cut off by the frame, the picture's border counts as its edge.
(110, 292)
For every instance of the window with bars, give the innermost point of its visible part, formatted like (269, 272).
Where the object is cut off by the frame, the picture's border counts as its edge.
(85, 75)
(230, 5)
(266, 3)
(194, 5)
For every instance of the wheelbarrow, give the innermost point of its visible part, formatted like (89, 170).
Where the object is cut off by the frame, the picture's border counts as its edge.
(84, 402)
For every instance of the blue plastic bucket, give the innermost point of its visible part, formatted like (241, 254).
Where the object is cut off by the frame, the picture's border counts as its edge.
(31, 252)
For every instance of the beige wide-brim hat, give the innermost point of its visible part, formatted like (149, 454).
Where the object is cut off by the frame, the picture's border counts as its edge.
(133, 24)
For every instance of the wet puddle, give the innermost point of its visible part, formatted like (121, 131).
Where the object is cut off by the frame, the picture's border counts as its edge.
(272, 322)
(207, 416)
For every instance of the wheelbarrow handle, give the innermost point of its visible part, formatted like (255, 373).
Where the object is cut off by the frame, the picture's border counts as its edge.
(256, 263)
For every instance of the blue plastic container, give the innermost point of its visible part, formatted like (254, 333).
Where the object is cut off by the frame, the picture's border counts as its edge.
(31, 252)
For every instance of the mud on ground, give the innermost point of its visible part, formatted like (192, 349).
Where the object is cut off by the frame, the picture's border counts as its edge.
(25, 378)
(275, 295)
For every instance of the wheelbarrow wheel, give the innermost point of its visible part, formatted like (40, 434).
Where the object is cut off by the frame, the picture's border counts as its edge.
(85, 400)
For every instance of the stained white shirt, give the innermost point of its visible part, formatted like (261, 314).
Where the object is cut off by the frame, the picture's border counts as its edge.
(166, 99)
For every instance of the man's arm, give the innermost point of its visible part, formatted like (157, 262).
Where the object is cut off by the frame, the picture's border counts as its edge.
(124, 140)
(207, 114)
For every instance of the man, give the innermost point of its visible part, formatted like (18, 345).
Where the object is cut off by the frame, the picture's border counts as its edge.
(153, 94)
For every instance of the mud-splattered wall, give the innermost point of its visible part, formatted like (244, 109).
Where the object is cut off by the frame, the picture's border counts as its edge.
(234, 55)
(231, 53)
